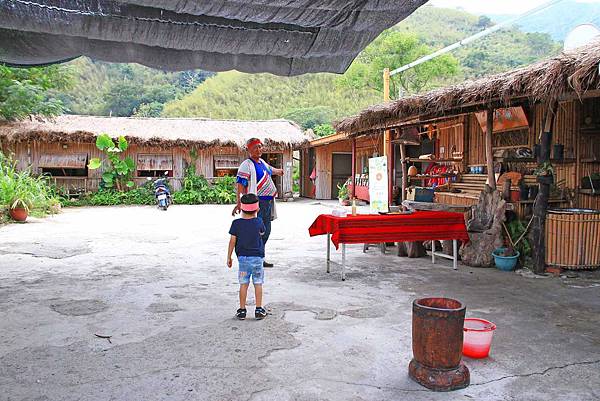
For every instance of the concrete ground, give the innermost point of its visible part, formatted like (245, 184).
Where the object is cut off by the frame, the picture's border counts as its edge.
(156, 282)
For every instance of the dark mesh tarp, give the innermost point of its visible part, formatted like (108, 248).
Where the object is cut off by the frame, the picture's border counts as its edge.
(285, 37)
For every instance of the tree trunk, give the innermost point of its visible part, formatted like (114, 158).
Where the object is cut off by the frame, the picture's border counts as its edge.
(415, 249)
(489, 154)
(538, 230)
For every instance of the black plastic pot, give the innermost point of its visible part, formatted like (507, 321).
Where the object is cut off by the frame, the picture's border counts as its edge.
(558, 152)
(524, 192)
(533, 191)
(537, 148)
(545, 179)
(587, 183)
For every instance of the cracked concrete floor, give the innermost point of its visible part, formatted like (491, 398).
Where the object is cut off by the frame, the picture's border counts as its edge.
(157, 284)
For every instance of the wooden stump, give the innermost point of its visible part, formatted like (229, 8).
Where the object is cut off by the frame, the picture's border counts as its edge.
(402, 249)
(485, 229)
(411, 249)
(415, 249)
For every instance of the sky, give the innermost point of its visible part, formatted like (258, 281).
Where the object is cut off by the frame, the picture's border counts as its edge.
(495, 7)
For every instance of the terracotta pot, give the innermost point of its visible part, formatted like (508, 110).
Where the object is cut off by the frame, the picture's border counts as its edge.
(437, 340)
(18, 214)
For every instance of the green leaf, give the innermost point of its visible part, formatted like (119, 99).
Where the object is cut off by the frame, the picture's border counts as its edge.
(104, 142)
(130, 184)
(94, 163)
(123, 143)
(108, 177)
(129, 163)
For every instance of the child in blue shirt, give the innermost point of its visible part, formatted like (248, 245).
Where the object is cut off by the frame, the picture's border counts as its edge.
(246, 238)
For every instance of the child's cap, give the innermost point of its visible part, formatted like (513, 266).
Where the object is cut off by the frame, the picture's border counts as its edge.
(249, 203)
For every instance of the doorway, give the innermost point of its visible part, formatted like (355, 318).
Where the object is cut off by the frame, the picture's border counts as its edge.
(275, 160)
(341, 170)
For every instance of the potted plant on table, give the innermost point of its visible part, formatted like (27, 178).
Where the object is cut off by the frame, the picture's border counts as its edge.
(343, 194)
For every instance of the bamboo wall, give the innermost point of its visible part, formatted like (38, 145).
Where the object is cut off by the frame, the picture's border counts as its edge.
(28, 154)
(566, 131)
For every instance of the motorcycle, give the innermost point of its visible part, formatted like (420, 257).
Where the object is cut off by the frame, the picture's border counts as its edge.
(162, 193)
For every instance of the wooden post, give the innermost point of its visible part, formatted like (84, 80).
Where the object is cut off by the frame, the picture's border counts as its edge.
(353, 168)
(387, 148)
(386, 84)
(404, 171)
(538, 230)
(489, 154)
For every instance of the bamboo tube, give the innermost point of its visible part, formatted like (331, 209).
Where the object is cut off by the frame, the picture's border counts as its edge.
(573, 234)
(560, 249)
(583, 244)
(549, 239)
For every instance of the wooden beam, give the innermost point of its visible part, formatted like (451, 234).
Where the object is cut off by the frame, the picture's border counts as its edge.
(404, 171)
(489, 153)
(353, 167)
(538, 230)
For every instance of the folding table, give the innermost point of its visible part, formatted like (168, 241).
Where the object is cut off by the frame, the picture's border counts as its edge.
(369, 228)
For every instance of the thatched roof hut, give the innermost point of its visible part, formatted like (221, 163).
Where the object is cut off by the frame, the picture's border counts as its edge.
(156, 132)
(568, 74)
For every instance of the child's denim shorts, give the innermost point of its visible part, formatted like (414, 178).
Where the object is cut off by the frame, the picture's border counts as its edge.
(251, 266)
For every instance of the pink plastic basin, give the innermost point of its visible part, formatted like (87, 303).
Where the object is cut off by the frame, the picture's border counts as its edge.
(478, 335)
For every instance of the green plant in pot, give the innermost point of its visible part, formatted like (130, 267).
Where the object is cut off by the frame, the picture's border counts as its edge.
(19, 209)
(545, 173)
(343, 194)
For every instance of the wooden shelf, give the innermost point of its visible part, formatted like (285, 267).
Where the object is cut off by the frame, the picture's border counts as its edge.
(590, 160)
(589, 192)
(435, 160)
(549, 201)
(533, 160)
(426, 177)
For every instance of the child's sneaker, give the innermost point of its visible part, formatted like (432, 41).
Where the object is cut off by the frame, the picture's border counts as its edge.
(241, 314)
(260, 313)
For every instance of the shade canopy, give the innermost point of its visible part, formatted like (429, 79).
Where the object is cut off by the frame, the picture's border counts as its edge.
(284, 37)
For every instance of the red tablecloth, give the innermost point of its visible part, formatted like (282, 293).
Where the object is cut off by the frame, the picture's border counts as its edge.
(418, 226)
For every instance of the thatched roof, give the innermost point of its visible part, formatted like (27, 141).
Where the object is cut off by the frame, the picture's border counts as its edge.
(279, 36)
(162, 132)
(573, 72)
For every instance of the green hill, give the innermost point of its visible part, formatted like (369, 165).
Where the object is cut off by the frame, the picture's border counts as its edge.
(245, 96)
(500, 51)
(100, 88)
(235, 95)
(124, 89)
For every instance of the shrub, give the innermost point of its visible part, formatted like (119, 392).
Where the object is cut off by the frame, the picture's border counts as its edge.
(23, 189)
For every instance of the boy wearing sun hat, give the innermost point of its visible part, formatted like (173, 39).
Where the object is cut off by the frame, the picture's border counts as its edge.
(246, 238)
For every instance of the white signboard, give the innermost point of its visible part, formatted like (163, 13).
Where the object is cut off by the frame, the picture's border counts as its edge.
(378, 184)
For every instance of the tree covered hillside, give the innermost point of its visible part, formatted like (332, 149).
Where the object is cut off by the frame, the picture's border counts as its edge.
(100, 88)
(501, 51)
(237, 95)
(309, 99)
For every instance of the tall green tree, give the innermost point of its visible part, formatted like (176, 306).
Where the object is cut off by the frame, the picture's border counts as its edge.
(394, 49)
(25, 91)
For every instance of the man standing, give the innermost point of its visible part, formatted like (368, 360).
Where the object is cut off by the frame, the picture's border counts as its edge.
(254, 176)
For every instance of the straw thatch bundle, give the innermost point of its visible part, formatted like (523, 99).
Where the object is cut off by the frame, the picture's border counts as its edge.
(156, 132)
(573, 72)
